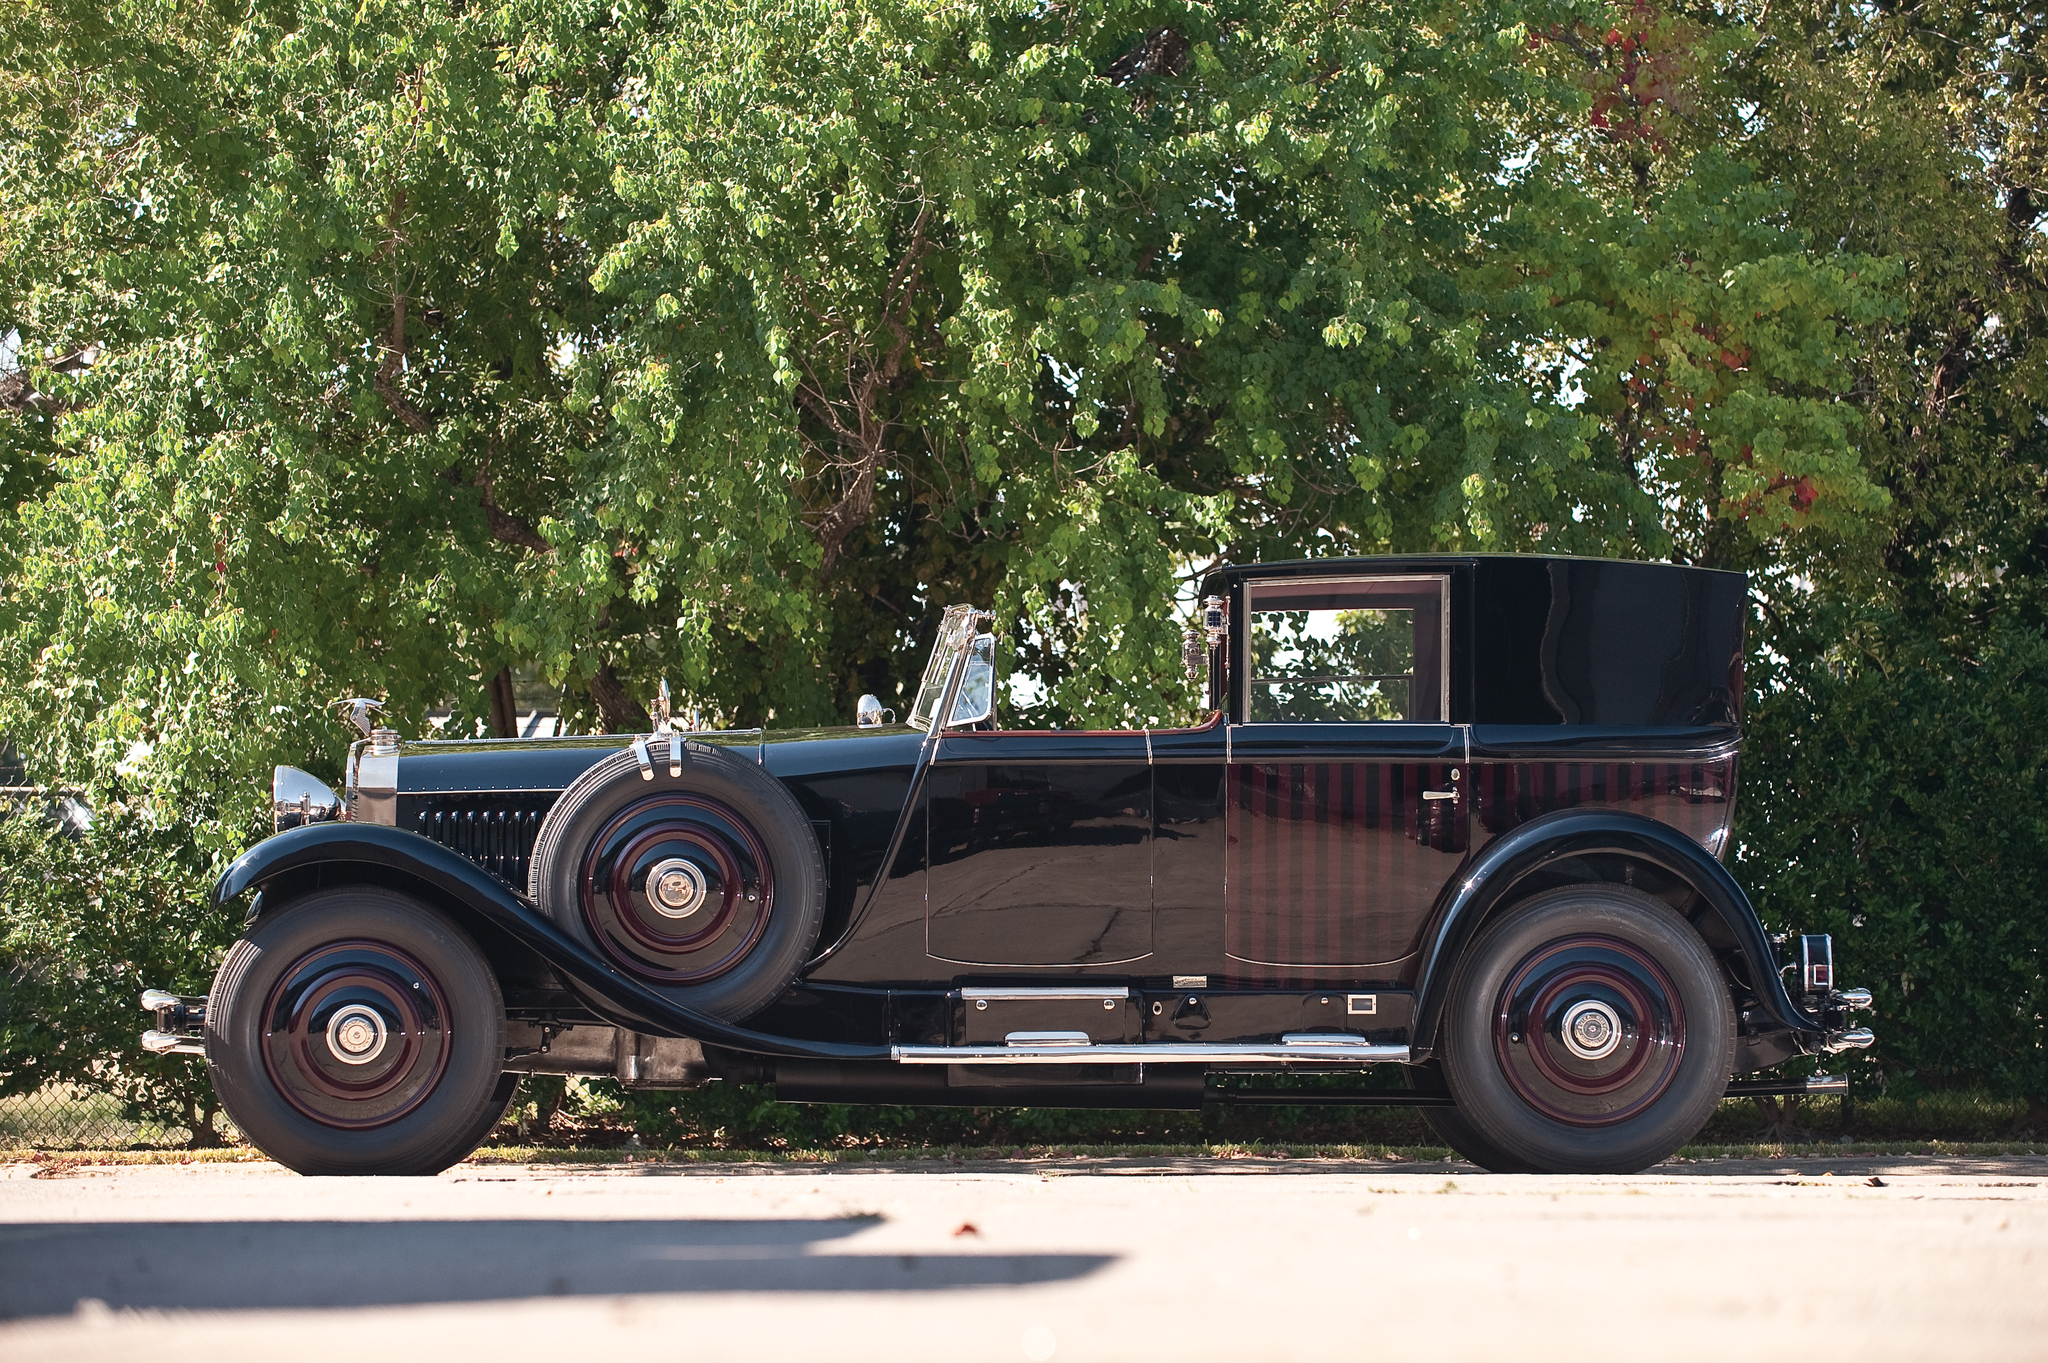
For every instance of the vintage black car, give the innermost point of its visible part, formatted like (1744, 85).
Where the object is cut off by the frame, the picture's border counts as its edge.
(1462, 815)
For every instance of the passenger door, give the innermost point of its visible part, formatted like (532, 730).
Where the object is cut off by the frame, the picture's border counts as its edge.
(1345, 795)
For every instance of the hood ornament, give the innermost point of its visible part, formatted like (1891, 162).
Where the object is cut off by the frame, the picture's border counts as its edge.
(359, 710)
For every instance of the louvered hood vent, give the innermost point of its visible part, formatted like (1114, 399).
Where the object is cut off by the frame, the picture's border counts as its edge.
(495, 831)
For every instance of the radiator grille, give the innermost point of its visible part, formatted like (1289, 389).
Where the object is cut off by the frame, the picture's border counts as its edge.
(494, 831)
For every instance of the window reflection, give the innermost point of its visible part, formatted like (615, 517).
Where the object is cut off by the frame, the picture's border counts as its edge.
(1345, 651)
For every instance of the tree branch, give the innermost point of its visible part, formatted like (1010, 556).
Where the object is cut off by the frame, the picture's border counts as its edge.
(616, 710)
(507, 528)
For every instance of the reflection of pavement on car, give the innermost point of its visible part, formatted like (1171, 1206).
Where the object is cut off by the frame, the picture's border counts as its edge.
(1186, 1258)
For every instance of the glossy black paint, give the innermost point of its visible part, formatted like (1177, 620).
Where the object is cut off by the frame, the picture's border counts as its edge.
(857, 782)
(1266, 1015)
(1039, 863)
(1589, 641)
(495, 766)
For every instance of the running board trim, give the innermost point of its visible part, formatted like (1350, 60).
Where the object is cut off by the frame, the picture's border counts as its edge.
(1309, 1048)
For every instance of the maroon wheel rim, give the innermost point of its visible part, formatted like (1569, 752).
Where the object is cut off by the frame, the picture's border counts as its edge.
(356, 1034)
(707, 850)
(1589, 1031)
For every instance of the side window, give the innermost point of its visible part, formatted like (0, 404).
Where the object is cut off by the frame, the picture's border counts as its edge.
(1346, 650)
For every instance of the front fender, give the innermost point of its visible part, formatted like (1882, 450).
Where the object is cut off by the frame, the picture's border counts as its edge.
(610, 992)
(1516, 856)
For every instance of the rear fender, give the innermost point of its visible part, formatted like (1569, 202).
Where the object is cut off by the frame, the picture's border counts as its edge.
(1514, 865)
(381, 852)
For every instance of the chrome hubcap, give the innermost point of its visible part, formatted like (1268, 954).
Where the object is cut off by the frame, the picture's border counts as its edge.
(356, 1035)
(1592, 1030)
(675, 888)
(1589, 1030)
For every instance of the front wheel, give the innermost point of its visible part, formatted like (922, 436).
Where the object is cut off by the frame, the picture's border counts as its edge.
(358, 1031)
(1589, 1031)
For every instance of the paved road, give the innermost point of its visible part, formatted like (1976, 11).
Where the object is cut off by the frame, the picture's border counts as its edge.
(1126, 1260)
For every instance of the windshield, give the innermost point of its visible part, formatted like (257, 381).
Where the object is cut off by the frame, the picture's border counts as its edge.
(956, 631)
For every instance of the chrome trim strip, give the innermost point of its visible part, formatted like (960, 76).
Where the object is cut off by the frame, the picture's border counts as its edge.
(170, 1043)
(1045, 1039)
(1053, 993)
(1297, 1049)
(491, 790)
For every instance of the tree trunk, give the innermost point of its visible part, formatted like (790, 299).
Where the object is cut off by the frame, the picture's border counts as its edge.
(504, 705)
(618, 712)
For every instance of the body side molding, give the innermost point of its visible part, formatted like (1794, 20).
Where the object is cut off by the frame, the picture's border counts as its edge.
(1515, 856)
(612, 994)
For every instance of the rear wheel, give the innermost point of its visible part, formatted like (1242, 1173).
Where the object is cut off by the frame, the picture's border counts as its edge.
(358, 1031)
(1589, 1031)
(1452, 1128)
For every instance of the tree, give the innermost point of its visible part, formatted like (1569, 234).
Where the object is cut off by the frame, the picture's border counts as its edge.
(379, 349)
(1900, 803)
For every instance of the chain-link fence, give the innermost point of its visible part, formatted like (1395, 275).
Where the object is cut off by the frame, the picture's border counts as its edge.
(67, 1117)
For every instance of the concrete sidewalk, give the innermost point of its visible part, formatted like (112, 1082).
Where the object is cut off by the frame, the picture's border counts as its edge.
(1098, 1259)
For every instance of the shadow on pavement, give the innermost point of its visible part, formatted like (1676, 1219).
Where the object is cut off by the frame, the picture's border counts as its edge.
(46, 1269)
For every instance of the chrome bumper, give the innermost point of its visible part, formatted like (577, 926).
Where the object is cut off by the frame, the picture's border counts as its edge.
(180, 1023)
(1831, 1006)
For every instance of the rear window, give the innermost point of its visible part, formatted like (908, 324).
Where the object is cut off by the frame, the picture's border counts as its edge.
(1346, 650)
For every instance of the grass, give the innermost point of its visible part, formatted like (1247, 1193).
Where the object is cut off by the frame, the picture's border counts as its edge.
(56, 1163)
(588, 1123)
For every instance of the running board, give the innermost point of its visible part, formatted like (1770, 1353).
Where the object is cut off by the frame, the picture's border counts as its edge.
(1296, 1048)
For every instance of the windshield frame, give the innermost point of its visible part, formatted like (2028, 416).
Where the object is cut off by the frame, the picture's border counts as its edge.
(935, 690)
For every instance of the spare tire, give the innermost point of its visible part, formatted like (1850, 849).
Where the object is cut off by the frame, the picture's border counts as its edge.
(695, 872)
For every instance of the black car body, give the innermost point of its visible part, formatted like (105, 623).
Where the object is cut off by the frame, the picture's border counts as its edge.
(1409, 761)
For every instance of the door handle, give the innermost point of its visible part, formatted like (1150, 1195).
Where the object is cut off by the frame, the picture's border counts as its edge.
(1439, 794)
